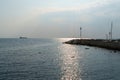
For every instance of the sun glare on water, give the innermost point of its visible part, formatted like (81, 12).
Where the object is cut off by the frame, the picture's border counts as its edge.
(69, 62)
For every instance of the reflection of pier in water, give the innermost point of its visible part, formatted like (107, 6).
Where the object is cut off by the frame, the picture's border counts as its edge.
(70, 64)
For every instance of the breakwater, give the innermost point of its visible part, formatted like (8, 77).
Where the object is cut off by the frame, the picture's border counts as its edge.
(114, 44)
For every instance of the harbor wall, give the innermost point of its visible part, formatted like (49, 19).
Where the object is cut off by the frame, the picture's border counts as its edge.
(115, 45)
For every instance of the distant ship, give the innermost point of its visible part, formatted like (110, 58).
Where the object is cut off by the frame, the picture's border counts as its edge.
(22, 37)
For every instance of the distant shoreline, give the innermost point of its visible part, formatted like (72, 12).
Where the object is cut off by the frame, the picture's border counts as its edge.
(113, 45)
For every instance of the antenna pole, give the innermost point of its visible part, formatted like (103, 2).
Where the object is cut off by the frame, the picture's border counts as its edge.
(106, 36)
(80, 33)
(111, 30)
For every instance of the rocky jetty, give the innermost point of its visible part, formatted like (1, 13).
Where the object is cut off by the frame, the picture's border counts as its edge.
(114, 44)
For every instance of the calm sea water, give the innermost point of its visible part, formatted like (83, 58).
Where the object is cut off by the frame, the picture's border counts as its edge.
(49, 59)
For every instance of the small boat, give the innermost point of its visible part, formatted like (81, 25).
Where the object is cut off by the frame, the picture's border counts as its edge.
(22, 37)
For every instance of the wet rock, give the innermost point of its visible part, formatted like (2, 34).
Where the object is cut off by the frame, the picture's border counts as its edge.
(87, 48)
(73, 57)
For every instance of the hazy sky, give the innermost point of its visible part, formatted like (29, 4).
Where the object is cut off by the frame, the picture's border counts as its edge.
(59, 18)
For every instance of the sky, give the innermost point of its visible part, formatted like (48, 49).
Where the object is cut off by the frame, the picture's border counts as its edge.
(59, 18)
